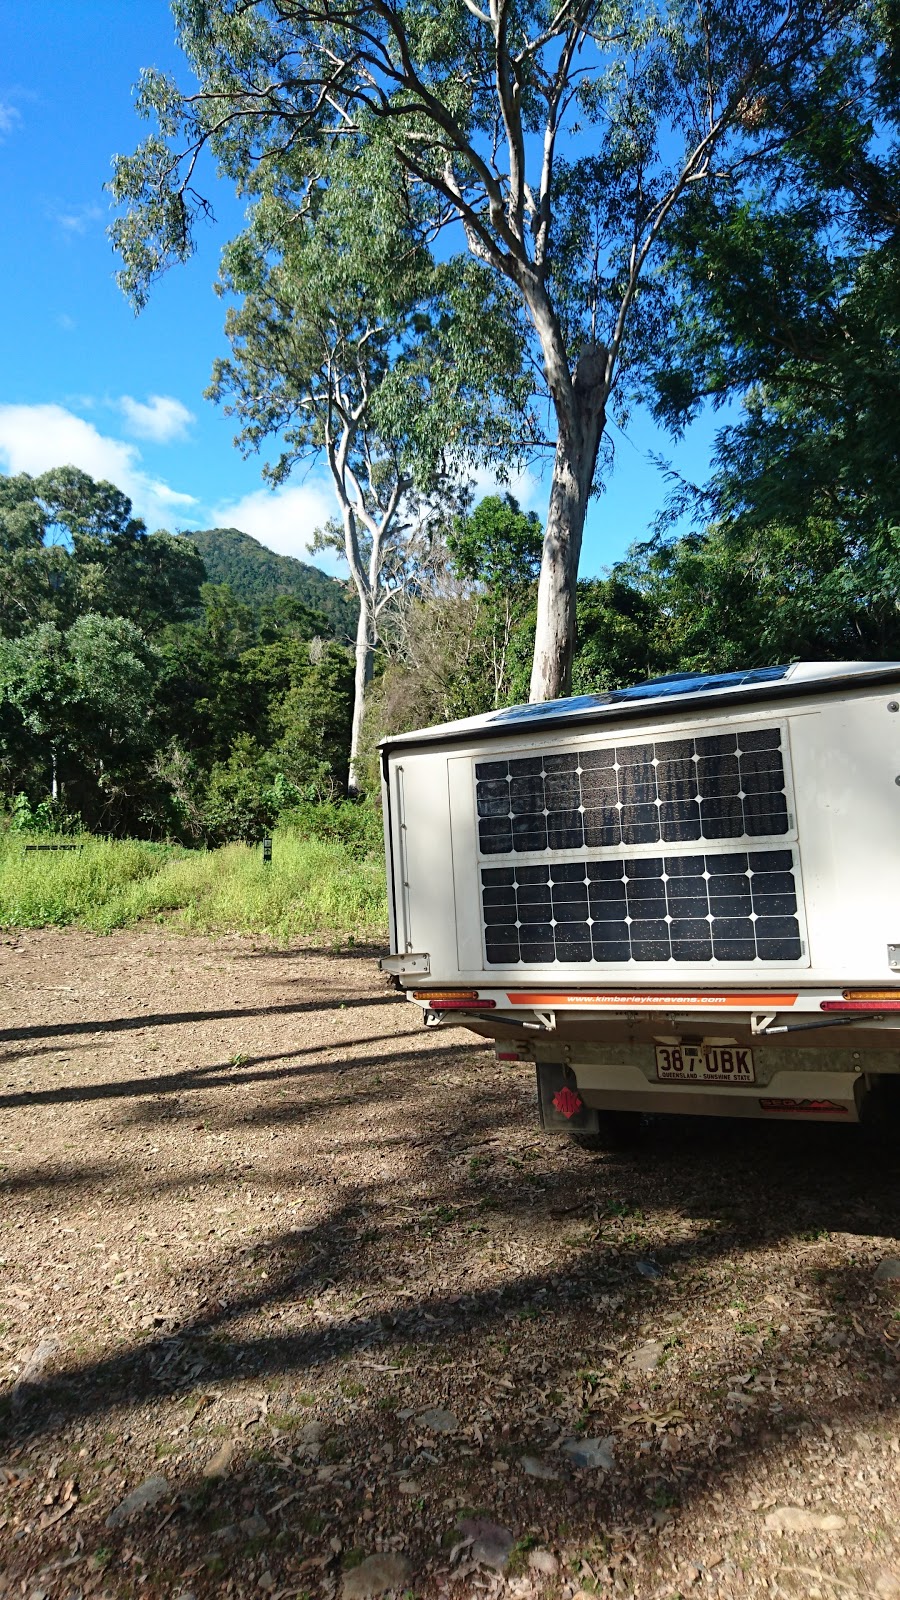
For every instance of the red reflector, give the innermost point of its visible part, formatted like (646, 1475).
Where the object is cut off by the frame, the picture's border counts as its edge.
(508, 1055)
(859, 1005)
(568, 1102)
(463, 1005)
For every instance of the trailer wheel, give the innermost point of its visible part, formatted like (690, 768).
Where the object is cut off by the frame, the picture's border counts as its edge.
(879, 1114)
(617, 1130)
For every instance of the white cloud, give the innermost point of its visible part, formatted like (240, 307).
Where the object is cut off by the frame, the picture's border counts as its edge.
(524, 484)
(78, 219)
(10, 117)
(282, 519)
(285, 519)
(161, 418)
(35, 438)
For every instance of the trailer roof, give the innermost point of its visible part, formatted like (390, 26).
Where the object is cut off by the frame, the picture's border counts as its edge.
(678, 690)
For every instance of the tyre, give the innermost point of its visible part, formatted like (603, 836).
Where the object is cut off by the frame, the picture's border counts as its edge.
(879, 1115)
(618, 1130)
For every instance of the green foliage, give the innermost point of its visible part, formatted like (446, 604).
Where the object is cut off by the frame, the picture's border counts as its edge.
(498, 545)
(789, 300)
(618, 628)
(69, 545)
(259, 577)
(48, 816)
(347, 341)
(78, 705)
(359, 828)
(44, 888)
(313, 721)
(204, 720)
(312, 886)
(745, 596)
(345, 324)
(242, 800)
(601, 163)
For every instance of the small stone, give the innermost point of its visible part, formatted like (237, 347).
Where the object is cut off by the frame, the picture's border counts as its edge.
(491, 1544)
(537, 1468)
(376, 1575)
(409, 1486)
(255, 1526)
(591, 1453)
(221, 1459)
(648, 1269)
(36, 1363)
(438, 1421)
(647, 1357)
(887, 1585)
(543, 1561)
(888, 1270)
(149, 1493)
(797, 1519)
(265, 1581)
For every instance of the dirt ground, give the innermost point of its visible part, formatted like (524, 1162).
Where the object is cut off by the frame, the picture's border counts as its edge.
(297, 1300)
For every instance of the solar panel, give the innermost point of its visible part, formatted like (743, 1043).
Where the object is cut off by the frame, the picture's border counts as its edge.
(674, 683)
(737, 906)
(665, 791)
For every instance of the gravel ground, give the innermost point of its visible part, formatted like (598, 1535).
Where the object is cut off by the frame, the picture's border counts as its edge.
(297, 1300)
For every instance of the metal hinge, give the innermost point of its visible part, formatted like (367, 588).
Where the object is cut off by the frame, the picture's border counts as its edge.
(894, 957)
(419, 964)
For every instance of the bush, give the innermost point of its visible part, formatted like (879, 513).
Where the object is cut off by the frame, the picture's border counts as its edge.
(45, 816)
(357, 826)
(315, 884)
(56, 888)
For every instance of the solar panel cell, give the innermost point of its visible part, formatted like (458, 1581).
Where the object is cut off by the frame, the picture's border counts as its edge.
(718, 786)
(644, 909)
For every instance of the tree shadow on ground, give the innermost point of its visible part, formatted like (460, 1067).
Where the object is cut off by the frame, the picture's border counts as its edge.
(171, 1019)
(214, 1075)
(312, 1384)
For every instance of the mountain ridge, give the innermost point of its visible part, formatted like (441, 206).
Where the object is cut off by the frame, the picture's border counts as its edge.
(257, 575)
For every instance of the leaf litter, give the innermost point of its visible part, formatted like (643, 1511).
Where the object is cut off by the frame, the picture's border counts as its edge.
(290, 1291)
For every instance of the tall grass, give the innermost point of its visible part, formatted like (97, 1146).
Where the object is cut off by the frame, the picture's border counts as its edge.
(312, 886)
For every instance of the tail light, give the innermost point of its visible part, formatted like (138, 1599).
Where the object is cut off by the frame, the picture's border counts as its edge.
(454, 1000)
(864, 1000)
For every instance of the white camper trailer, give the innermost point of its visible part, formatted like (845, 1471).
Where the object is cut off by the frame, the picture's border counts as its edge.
(680, 897)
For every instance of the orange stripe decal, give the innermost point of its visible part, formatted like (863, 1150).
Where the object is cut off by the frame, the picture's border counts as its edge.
(629, 1001)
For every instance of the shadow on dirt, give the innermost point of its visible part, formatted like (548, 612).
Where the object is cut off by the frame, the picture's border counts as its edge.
(307, 1384)
(171, 1019)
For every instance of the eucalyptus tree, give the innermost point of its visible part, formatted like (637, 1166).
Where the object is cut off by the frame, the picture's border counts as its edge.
(558, 139)
(70, 545)
(351, 343)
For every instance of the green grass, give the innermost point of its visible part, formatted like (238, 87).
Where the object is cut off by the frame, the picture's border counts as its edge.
(312, 886)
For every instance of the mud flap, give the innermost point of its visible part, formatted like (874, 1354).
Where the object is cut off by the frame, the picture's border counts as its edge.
(561, 1106)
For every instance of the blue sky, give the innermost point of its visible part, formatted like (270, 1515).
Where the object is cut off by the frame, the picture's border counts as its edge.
(83, 380)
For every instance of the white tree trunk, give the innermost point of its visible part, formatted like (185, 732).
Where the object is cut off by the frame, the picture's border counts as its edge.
(578, 441)
(364, 656)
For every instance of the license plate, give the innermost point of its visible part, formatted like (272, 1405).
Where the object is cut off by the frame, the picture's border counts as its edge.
(710, 1063)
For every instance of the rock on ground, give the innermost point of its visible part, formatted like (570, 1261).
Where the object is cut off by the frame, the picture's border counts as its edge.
(377, 1575)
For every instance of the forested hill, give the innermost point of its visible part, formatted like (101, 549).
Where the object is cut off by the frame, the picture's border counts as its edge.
(257, 575)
